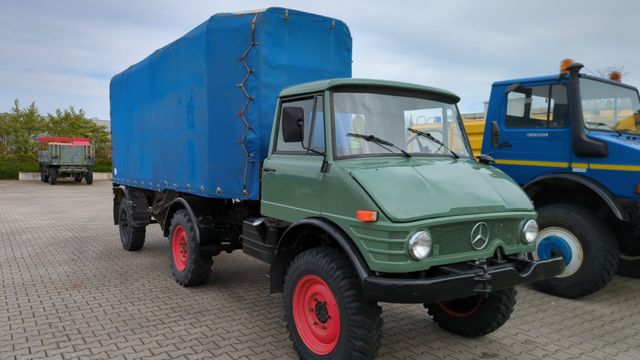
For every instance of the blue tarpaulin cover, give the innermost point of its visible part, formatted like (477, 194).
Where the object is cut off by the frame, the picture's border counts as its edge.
(196, 116)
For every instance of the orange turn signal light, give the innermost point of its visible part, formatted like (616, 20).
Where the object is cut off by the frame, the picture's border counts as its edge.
(366, 215)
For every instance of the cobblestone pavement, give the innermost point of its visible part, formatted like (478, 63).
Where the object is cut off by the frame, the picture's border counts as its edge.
(70, 291)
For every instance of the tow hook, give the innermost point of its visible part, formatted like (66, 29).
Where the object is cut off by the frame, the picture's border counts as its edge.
(483, 280)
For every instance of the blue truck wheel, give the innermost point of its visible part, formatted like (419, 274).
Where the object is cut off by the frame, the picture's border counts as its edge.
(556, 241)
(587, 245)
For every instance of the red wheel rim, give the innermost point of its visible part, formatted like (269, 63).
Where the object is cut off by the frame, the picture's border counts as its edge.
(180, 248)
(316, 314)
(454, 309)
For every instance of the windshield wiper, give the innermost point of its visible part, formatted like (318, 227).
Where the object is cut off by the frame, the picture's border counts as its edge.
(605, 125)
(430, 137)
(379, 142)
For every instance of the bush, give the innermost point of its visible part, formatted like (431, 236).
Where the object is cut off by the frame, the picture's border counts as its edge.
(9, 169)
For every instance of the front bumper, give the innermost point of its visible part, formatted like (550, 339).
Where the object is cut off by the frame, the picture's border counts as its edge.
(460, 280)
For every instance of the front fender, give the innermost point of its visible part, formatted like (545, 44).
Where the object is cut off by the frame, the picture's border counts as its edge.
(286, 249)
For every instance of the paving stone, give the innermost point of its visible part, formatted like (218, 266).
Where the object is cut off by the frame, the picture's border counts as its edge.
(70, 291)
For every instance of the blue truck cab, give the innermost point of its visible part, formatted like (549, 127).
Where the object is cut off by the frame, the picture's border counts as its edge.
(572, 141)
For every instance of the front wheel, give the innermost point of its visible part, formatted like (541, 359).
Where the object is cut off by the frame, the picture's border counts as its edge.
(190, 265)
(327, 316)
(476, 315)
(586, 244)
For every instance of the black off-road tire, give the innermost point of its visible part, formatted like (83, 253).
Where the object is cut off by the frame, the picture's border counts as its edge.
(474, 316)
(53, 176)
(599, 247)
(629, 267)
(131, 237)
(359, 319)
(42, 176)
(198, 266)
(77, 178)
(89, 177)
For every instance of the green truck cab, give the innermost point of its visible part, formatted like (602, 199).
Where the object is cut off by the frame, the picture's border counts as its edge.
(373, 211)
(66, 157)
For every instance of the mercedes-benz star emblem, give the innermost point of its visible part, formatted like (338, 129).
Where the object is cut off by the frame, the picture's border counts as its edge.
(480, 236)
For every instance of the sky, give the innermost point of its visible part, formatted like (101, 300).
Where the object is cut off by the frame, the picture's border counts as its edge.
(64, 52)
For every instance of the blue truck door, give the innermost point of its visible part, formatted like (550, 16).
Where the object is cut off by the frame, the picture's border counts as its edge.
(534, 132)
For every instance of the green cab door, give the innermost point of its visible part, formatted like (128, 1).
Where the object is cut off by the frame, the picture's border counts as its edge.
(292, 179)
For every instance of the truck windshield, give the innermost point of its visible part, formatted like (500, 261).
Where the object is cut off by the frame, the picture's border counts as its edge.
(389, 117)
(609, 107)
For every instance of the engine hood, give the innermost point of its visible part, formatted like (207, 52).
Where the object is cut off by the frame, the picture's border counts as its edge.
(415, 189)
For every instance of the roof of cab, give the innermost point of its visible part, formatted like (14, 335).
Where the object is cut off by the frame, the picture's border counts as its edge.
(322, 85)
(529, 79)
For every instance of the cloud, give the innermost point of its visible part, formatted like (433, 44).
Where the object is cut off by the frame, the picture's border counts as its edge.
(64, 52)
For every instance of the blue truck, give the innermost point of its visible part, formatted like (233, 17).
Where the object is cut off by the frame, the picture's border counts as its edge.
(572, 141)
(249, 134)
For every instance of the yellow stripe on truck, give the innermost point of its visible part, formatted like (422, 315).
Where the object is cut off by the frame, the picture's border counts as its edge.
(533, 163)
(558, 164)
(614, 167)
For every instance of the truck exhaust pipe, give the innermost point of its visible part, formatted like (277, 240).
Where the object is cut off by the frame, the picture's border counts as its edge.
(582, 144)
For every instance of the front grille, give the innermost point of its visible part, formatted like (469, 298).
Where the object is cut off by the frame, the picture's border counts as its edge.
(456, 238)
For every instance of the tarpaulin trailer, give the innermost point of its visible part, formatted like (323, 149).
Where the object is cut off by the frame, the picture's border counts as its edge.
(196, 115)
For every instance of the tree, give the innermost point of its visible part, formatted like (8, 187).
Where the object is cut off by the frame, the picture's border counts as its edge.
(21, 127)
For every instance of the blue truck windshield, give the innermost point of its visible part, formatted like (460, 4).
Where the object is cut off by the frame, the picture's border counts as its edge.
(609, 107)
(388, 117)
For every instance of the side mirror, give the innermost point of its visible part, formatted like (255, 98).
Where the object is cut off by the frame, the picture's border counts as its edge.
(486, 159)
(495, 134)
(292, 124)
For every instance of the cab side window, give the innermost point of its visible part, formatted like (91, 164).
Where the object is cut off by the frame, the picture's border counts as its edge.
(538, 107)
(313, 127)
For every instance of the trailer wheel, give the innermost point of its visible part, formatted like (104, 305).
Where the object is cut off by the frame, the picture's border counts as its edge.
(89, 177)
(190, 265)
(586, 244)
(132, 237)
(327, 316)
(53, 176)
(476, 315)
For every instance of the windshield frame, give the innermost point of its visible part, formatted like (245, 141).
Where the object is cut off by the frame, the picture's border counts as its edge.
(613, 83)
(384, 90)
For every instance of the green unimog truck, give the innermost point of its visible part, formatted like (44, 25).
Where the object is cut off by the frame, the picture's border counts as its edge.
(66, 157)
(330, 182)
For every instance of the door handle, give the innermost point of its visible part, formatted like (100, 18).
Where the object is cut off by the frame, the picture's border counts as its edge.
(505, 144)
(268, 169)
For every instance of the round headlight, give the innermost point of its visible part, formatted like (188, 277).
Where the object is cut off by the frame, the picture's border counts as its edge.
(419, 245)
(530, 231)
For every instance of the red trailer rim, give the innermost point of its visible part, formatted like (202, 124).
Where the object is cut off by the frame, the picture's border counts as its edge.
(461, 308)
(180, 248)
(316, 314)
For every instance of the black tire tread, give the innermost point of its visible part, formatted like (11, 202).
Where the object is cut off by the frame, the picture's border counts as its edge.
(199, 267)
(53, 176)
(136, 236)
(494, 312)
(599, 275)
(363, 317)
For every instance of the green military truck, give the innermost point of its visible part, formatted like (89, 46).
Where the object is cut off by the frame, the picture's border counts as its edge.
(328, 181)
(66, 157)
